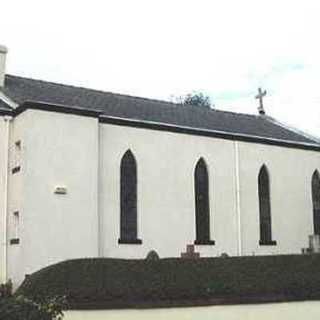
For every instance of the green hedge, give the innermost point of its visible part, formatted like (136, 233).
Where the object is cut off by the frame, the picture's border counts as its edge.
(115, 283)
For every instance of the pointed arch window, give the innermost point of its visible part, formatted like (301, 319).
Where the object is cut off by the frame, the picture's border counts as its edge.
(128, 200)
(265, 207)
(316, 201)
(201, 188)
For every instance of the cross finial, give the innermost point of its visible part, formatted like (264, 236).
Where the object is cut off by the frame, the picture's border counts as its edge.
(260, 96)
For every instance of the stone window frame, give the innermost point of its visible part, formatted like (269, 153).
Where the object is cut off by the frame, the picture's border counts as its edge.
(265, 217)
(202, 203)
(315, 192)
(128, 200)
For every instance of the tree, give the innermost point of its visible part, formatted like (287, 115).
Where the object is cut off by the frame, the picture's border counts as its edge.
(21, 308)
(197, 99)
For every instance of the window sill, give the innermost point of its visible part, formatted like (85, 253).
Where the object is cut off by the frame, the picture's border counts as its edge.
(129, 241)
(204, 242)
(15, 241)
(15, 169)
(268, 243)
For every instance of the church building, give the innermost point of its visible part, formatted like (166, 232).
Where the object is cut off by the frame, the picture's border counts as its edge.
(86, 173)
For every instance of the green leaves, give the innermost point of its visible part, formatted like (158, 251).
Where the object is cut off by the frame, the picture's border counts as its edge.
(22, 308)
(197, 99)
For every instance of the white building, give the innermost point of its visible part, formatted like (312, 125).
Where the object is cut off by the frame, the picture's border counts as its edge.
(85, 173)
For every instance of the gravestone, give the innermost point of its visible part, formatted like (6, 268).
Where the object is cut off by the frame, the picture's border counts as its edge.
(314, 244)
(190, 253)
(152, 256)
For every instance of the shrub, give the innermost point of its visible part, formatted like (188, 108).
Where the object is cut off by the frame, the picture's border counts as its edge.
(22, 308)
(6, 289)
(115, 283)
(152, 256)
(198, 99)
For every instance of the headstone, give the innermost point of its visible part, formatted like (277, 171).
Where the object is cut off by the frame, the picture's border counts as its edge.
(190, 253)
(152, 256)
(224, 255)
(314, 243)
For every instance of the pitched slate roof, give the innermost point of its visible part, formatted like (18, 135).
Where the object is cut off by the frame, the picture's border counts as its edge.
(134, 108)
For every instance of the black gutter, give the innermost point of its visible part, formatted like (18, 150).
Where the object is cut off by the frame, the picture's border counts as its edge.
(55, 108)
(206, 133)
(36, 105)
(5, 112)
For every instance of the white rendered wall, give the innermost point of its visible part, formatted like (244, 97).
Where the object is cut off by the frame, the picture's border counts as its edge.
(3, 195)
(166, 213)
(290, 173)
(166, 208)
(267, 311)
(16, 189)
(65, 150)
(57, 150)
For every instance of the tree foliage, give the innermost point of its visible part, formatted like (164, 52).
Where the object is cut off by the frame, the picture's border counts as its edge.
(6, 290)
(197, 99)
(21, 308)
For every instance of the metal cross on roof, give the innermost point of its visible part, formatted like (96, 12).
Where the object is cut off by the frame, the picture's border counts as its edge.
(260, 96)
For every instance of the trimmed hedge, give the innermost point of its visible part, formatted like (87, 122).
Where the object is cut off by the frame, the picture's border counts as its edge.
(115, 283)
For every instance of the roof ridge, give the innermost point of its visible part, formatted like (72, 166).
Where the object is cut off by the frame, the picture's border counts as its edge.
(170, 103)
(91, 89)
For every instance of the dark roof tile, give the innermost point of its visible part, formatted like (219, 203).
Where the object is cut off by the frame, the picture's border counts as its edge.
(23, 89)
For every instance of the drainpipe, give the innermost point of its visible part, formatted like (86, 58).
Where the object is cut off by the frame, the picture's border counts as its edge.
(7, 120)
(99, 182)
(238, 206)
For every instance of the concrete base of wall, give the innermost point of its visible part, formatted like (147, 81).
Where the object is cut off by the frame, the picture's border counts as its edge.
(283, 311)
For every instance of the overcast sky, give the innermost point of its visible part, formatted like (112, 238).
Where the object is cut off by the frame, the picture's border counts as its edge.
(153, 48)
